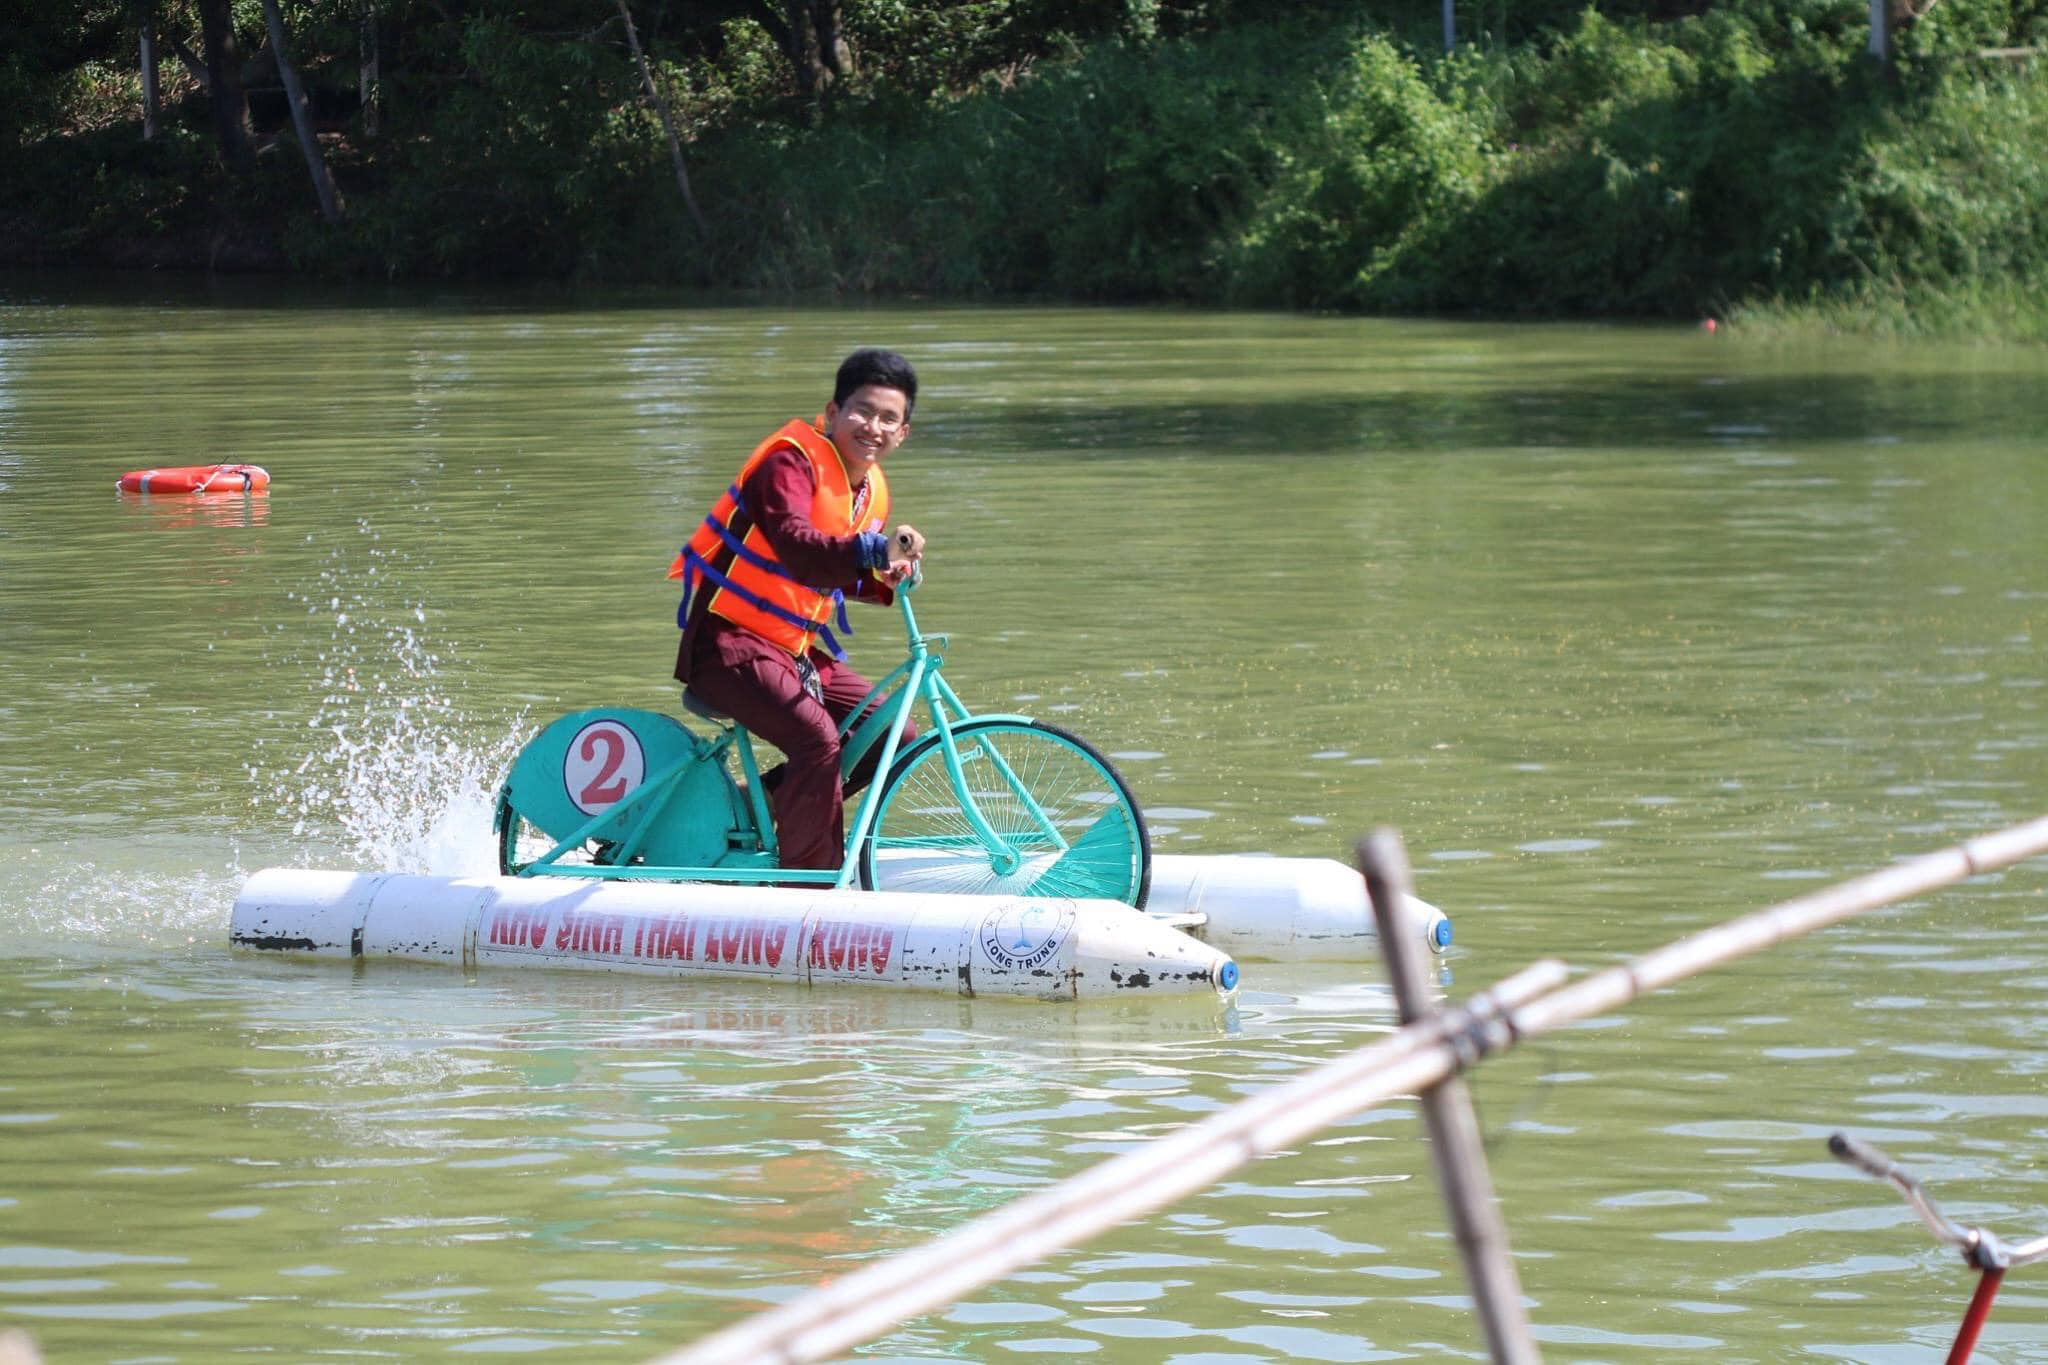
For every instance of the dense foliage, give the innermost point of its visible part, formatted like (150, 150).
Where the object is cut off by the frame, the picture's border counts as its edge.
(1641, 157)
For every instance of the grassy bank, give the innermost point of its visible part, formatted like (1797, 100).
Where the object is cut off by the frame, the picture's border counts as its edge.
(1995, 312)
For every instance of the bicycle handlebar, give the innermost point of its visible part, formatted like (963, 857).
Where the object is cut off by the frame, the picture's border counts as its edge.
(1980, 1246)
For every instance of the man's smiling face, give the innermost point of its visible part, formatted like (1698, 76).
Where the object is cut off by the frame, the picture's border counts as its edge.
(871, 422)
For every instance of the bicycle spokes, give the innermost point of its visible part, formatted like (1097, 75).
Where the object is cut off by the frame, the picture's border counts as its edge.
(1063, 821)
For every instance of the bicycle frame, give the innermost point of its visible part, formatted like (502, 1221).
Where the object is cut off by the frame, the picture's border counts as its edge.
(880, 718)
(1981, 1248)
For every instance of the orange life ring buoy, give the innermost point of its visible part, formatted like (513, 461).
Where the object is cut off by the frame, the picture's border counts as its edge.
(197, 478)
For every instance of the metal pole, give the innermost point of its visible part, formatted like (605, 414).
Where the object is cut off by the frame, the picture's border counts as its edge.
(1880, 31)
(1451, 24)
(1454, 1142)
(1974, 1316)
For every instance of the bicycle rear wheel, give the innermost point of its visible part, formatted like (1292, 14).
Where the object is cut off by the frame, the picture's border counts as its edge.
(1067, 819)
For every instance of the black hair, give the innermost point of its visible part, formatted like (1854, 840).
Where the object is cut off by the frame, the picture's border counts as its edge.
(871, 365)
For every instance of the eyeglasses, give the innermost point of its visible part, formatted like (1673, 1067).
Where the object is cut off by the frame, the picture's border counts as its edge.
(887, 422)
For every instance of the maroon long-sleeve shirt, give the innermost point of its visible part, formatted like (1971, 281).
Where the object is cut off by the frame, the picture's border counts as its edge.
(777, 497)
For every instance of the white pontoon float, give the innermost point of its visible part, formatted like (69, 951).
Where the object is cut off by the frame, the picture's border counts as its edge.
(1275, 909)
(1042, 947)
(967, 945)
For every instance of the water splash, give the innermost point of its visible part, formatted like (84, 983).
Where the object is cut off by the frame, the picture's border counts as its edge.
(392, 776)
(397, 771)
(130, 893)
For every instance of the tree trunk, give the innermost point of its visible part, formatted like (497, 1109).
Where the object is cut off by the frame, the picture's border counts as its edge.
(224, 80)
(810, 36)
(833, 51)
(668, 124)
(367, 76)
(811, 74)
(302, 117)
(145, 22)
(194, 68)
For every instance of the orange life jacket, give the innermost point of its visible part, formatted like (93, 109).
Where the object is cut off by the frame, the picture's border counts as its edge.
(749, 586)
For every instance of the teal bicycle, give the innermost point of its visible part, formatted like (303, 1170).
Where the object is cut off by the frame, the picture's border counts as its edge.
(977, 804)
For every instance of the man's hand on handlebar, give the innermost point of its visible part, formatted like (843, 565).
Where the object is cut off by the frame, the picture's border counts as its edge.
(905, 544)
(906, 548)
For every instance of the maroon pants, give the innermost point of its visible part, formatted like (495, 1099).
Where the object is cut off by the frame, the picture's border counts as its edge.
(756, 684)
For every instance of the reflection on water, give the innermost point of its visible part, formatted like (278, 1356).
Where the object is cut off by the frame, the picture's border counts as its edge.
(180, 511)
(1628, 630)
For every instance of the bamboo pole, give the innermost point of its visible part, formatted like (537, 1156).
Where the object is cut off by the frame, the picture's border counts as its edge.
(1454, 1144)
(863, 1305)
(825, 1322)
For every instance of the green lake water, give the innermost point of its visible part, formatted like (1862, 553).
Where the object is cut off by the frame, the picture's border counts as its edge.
(1628, 630)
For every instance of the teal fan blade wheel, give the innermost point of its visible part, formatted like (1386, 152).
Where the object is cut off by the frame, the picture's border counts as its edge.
(1068, 823)
(520, 841)
(642, 786)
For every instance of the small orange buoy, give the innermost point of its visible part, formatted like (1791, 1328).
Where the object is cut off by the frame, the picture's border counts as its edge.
(197, 478)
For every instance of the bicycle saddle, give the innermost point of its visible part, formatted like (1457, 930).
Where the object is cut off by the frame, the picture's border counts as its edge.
(699, 707)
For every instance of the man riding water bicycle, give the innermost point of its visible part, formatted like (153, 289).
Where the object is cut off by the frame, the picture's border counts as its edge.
(765, 579)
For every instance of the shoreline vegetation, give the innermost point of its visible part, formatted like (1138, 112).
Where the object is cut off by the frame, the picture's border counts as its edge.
(1745, 160)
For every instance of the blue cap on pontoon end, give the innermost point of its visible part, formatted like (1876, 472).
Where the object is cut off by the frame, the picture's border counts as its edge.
(1227, 978)
(1442, 933)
